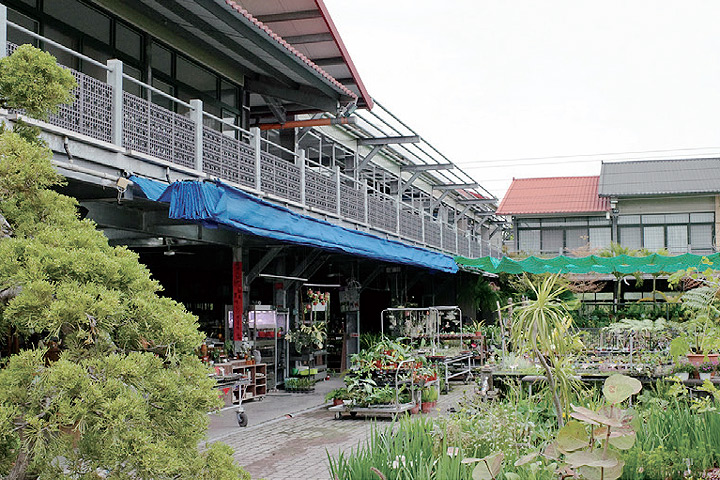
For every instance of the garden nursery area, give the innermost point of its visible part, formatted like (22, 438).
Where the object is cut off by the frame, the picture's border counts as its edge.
(558, 388)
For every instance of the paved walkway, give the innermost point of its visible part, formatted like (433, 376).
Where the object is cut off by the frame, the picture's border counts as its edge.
(296, 446)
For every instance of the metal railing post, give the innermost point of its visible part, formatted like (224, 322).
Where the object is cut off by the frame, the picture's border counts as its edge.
(422, 226)
(456, 239)
(338, 210)
(115, 80)
(397, 214)
(365, 202)
(301, 164)
(256, 150)
(196, 114)
(3, 31)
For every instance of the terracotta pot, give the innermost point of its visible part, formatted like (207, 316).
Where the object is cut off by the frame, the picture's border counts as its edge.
(415, 409)
(698, 358)
(337, 401)
(426, 407)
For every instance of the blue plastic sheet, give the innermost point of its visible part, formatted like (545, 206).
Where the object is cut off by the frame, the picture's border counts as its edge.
(220, 205)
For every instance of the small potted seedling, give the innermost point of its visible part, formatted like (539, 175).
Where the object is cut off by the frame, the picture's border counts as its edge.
(428, 398)
(706, 369)
(683, 370)
(338, 396)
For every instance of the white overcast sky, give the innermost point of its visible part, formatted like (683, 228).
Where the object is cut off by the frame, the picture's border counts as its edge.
(492, 80)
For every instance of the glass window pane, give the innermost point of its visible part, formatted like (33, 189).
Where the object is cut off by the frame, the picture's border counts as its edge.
(677, 218)
(576, 238)
(629, 220)
(654, 238)
(228, 94)
(128, 41)
(129, 86)
(630, 237)
(653, 219)
(529, 241)
(598, 221)
(600, 237)
(80, 16)
(159, 99)
(17, 37)
(93, 70)
(701, 237)
(62, 57)
(677, 238)
(528, 223)
(702, 217)
(552, 241)
(195, 77)
(161, 59)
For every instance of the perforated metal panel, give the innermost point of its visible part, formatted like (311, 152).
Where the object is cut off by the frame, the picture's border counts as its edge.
(320, 190)
(411, 225)
(448, 238)
(463, 243)
(382, 212)
(352, 203)
(475, 249)
(432, 232)
(157, 131)
(279, 177)
(90, 113)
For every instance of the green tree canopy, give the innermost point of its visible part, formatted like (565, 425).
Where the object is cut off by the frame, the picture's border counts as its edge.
(124, 396)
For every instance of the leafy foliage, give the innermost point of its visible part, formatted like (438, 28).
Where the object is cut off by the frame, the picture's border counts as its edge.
(124, 394)
(31, 80)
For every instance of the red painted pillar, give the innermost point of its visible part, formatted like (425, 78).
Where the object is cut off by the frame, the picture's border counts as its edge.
(237, 301)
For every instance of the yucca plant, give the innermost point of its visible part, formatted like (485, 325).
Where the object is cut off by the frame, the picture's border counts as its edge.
(541, 326)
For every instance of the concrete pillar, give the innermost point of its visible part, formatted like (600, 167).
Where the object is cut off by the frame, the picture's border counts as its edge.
(196, 114)
(717, 223)
(257, 144)
(301, 164)
(115, 80)
(3, 31)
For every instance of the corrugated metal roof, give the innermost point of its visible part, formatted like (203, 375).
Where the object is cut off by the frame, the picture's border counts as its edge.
(660, 177)
(553, 195)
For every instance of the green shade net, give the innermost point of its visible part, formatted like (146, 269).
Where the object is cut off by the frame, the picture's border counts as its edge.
(621, 264)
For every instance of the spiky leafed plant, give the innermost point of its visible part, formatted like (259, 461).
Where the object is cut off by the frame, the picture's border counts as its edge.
(541, 326)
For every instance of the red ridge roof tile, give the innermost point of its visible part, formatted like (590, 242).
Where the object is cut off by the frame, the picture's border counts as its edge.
(553, 195)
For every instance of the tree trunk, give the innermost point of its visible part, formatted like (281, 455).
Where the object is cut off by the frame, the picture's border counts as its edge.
(550, 379)
(21, 464)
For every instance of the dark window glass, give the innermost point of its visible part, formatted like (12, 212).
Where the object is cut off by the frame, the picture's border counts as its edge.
(129, 86)
(161, 59)
(228, 94)
(159, 99)
(195, 77)
(17, 37)
(32, 3)
(65, 40)
(128, 41)
(101, 56)
(80, 16)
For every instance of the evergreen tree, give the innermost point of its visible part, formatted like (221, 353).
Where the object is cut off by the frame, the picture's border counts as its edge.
(107, 383)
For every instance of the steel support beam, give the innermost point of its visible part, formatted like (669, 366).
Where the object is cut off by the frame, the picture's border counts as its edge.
(437, 201)
(368, 157)
(409, 182)
(426, 168)
(456, 186)
(389, 140)
(260, 266)
(276, 108)
(371, 277)
(478, 201)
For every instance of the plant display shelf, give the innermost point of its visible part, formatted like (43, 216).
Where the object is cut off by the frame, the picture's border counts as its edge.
(255, 373)
(459, 366)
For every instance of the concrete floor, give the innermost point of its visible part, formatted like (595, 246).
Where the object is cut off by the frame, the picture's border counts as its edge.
(290, 436)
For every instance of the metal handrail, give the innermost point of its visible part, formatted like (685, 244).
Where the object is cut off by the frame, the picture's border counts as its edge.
(58, 45)
(227, 124)
(156, 90)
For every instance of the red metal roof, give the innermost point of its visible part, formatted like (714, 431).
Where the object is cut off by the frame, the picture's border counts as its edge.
(553, 195)
(305, 28)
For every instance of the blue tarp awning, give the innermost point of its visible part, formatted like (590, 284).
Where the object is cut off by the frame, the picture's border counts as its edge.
(219, 205)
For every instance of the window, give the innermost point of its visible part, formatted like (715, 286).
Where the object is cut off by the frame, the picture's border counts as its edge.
(600, 237)
(701, 238)
(576, 238)
(678, 232)
(17, 37)
(630, 237)
(529, 241)
(654, 238)
(128, 41)
(81, 17)
(677, 238)
(552, 241)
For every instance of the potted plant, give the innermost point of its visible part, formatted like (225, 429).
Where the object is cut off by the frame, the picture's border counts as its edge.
(700, 334)
(428, 397)
(683, 370)
(338, 396)
(706, 369)
(308, 337)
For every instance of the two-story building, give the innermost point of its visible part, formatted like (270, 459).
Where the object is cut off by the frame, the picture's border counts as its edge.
(260, 101)
(652, 205)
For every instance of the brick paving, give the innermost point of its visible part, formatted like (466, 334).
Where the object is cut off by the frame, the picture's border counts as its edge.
(296, 447)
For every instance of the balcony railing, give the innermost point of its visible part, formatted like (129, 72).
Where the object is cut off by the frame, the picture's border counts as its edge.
(105, 112)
